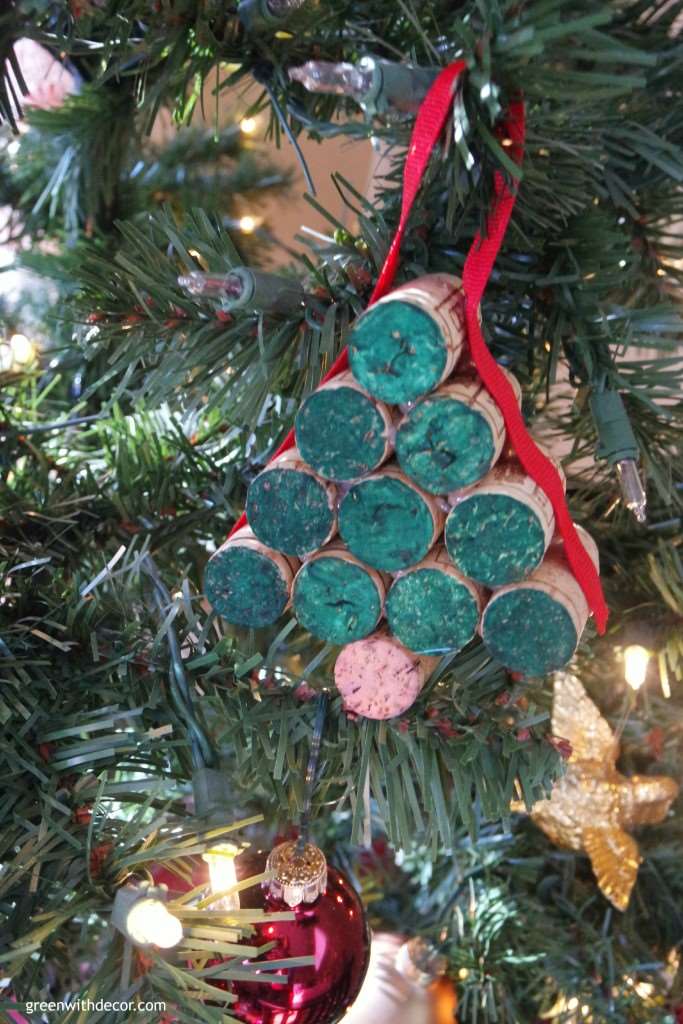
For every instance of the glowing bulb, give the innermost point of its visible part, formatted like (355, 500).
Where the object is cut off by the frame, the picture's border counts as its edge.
(222, 874)
(23, 350)
(150, 923)
(248, 125)
(636, 660)
(247, 224)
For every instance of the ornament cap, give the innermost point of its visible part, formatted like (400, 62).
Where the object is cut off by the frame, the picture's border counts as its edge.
(299, 873)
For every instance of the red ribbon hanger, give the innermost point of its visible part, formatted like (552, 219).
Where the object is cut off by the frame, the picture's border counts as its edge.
(429, 123)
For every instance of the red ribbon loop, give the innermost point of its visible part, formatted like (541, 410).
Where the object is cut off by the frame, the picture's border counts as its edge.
(428, 126)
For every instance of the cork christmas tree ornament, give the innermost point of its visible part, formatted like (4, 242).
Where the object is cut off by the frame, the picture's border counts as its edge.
(416, 427)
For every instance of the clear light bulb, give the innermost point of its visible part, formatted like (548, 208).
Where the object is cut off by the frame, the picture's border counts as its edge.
(632, 490)
(217, 286)
(223, 874)
(149, 922)
(636, 661)
(340, 79)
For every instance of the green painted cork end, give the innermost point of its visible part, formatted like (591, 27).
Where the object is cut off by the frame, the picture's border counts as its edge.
(444, 445)
(397, 352)
(386, 524)
(431, 613)
(529, 632)
(245, 587)
(336, 600)
(340, 433)
(288, 510)
(494, 539)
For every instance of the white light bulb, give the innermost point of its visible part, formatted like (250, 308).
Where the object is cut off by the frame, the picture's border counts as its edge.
(23, 350)
(248, 224)
(248, 125)
(636, 660)
(223, 874)
(149, 922)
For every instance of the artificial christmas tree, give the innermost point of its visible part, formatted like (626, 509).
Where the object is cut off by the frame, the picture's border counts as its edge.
(157, 677)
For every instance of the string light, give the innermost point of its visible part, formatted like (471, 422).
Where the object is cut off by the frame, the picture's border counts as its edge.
(140, 914)
(223, 874)
(150, 923)
(248, 125)
(23, 350)
(248, 224)
(16, 352)
(636, 661)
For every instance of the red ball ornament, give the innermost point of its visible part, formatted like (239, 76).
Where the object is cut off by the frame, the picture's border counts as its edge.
(329, 925)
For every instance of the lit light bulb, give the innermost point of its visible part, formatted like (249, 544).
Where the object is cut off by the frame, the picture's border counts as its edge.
(248, 224)
(223, 874)
(248, 125)
(150, 923)
(23, 350)
(636, 660)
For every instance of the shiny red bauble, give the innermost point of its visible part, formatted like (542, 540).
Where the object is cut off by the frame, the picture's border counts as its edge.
(333, 930)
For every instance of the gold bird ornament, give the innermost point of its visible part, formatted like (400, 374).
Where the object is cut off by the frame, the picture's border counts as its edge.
(593, 806)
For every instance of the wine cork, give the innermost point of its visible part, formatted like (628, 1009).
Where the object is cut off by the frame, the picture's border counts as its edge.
(336, 597)
(453, 437)
(498, 531)
(378, 678)
(342, 432)
(290, 508)
(248, 583)
(406, 344)
(432, 608)
(534, 627)
(388, 522)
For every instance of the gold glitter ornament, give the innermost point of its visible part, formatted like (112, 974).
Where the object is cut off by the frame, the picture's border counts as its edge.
(592, 807)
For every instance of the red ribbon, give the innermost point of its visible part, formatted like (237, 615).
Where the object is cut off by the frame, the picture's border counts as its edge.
(429, 123)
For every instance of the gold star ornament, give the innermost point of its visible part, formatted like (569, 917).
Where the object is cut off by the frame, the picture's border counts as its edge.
(593, 806)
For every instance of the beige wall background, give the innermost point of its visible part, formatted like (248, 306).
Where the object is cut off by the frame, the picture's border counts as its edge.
(287, 216)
